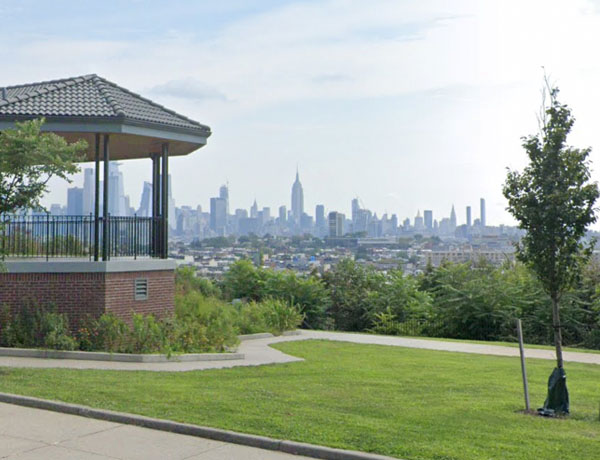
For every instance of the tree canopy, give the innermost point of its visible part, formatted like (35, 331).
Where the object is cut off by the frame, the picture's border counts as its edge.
(28, 159)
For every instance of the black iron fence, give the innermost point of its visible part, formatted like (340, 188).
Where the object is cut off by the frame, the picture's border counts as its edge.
(49, 236)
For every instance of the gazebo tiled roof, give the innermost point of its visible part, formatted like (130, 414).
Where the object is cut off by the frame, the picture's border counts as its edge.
(76, 107)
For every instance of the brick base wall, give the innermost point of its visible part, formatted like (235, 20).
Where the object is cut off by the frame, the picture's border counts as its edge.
(80, 295)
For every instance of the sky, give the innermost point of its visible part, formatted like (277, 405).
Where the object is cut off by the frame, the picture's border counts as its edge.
(408, 105)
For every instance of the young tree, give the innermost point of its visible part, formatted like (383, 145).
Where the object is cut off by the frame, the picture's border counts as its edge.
(553, 200)
(28, 159)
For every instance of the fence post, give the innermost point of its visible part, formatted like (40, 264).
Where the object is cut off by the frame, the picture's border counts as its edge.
(3, 236)
(523, 369)
(135, 236)
(47, 236)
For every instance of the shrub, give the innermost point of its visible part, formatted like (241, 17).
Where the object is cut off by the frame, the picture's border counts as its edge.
(146, 335)
(202, 324)
(36, 326)
(108, 333)
(280, 316)
(384, 322)
(251, 318)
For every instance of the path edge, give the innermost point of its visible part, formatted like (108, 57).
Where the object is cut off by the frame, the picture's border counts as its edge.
(217, 434)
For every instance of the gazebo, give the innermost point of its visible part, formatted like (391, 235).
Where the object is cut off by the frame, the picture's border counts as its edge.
(82, 262)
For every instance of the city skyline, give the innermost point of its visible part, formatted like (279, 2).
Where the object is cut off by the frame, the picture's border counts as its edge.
(121, 201)
(409, 105)
(194, 222)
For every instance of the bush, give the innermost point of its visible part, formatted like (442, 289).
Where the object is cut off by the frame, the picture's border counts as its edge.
(34, 326)
(251, 318)
(108, 333)
(146, 335)
(307, 293)
(202, 324)
(280, 316)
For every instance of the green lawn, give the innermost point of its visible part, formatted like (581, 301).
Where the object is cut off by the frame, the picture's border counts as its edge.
(408, 403)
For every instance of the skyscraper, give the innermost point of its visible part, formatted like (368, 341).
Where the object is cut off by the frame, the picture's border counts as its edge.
(452, 219)
(428, 218)
(217, 215)
(468, 216)
(254, 210)
(116, 191)
(419, 221)
(89, 190)
(320, 216)
(224, 194)
(74, 201)
(297, 200)
(482, 212)
(336, 224)
(145, 209)
(355, 209)
(282, 214)
(320, 222)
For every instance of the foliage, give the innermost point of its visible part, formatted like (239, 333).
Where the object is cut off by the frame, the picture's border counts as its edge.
(270, 315)
(280, 316)
(243, 281)
(307, 293)
(358, 293)
(481, 302)
(187, 281)
(352, 287)
(36, 326)
(28, 159)
(553, 200)
(202, 324)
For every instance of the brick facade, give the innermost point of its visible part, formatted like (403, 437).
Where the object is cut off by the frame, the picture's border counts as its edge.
(80, 295)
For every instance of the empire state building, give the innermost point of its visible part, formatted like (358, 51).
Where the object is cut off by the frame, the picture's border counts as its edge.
(297, 200)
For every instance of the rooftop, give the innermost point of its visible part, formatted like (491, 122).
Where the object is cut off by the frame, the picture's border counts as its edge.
(79, 107)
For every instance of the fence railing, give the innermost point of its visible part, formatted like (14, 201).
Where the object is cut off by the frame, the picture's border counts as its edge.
(49, 236)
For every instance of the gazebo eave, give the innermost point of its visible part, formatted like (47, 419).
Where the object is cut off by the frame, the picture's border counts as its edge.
(130, 139)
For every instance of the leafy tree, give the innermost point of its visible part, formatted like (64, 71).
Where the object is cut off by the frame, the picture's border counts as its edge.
(553, 200)
(243, 281)
(28, 159)
(352, 288)
(307, 294)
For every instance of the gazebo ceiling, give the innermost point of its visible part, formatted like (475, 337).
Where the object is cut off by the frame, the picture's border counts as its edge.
(81, 107)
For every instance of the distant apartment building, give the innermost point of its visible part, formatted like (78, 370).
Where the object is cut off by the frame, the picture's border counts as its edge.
(436, 258)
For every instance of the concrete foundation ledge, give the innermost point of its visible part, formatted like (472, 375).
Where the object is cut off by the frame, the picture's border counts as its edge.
(119, 357)
(262, 442)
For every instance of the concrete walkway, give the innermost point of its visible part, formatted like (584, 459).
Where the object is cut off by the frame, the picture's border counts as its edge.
(27, 433)
(258, 352)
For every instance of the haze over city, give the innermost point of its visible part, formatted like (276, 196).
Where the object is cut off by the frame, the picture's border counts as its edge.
(430, 115)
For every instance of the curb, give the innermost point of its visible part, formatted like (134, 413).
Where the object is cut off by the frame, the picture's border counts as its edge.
(266, 335)
(262, 442)
(117, 357)
(260, 335)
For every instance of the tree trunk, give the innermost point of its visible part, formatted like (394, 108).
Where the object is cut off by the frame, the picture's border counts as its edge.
(557, 331)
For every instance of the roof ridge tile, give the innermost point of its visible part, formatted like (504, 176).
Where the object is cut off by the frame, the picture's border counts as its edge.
(101, 85)
(159, 106)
